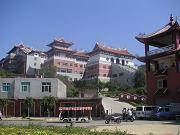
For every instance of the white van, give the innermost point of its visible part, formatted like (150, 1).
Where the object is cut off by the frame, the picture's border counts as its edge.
(144, 111)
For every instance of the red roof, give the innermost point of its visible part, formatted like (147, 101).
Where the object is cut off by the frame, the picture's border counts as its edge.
(167, 28)
(81, 54)
(61, 43)
(111, 50)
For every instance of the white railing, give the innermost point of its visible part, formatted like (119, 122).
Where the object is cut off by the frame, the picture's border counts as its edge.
(162, 49)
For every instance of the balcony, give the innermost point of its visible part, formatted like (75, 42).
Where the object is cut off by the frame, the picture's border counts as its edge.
(161, 50)
(162, 72)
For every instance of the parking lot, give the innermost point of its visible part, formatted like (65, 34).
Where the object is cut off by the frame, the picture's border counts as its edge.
(139, 127)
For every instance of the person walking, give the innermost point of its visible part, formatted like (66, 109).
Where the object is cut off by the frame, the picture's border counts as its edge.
(124, 113)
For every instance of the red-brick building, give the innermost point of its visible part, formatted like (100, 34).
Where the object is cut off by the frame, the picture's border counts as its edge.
(162, 63)
(69, 62)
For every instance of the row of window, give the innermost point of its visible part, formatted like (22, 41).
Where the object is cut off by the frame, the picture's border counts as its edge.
(107, 75)
(117, 61)
(25, 87)
(70, 64)
(66, 70)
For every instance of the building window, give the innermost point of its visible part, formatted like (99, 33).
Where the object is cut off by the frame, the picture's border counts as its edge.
(25, 86)
(75, 79)
(126, 62)
(63, 70)
(81, 66)
(46, 86)
(71, 64)
(65, 64)
(35, 63)
(123, 63)
(161, 84)
(69, 70)
(107, 59)
(6, 87)
(81, 72)
(117, 61)
(112, 60)
(104, 66)
(75, 65)
(104, 75)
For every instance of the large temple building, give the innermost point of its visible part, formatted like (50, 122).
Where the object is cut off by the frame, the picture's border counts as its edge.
(162, 63)
(107, 63)
(69, 62)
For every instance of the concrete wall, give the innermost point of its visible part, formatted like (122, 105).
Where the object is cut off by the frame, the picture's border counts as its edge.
(58, 89)
(33, 62)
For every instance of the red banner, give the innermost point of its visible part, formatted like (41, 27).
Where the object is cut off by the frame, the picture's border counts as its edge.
(75, 108)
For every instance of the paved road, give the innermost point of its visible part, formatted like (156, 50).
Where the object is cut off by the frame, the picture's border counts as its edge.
(113, 105)
(139, 127)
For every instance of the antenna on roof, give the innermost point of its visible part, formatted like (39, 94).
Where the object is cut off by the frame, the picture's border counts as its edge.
(171, 18)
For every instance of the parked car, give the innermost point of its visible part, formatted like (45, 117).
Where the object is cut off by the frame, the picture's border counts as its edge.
(162, 113)
(144, 112)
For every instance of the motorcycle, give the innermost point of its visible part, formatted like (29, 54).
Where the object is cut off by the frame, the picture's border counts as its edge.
(131, 118)
(113, 118)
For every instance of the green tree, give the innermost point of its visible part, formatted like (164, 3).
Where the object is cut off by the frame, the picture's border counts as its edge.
(139, 77)
(113, 86)
(49, 102)
(3, 103)
(48, 72)
(29, 103)
(4, 73)
(72, 90)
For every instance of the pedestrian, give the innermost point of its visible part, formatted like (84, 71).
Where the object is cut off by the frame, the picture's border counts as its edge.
(124, 113)
(0, 115)
(128, 114)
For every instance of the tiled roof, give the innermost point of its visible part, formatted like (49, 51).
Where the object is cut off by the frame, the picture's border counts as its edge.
(61, 43)
(61, 40)
(22, 47)
(116, 51)
(168, 27)
(80, 53)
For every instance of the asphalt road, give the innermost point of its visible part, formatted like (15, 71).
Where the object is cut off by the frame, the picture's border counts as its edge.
(91, 123)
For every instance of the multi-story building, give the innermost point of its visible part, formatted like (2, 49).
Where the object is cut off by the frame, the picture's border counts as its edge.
(17, 89)
(107, 63)
(69, 62)
(162, 63)
(23, 60)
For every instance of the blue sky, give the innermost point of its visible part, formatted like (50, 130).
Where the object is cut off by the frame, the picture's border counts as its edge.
(84, 22)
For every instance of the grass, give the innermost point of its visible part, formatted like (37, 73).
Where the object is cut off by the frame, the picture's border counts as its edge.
(52, 130)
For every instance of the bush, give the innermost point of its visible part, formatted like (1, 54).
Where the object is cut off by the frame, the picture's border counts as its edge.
(40, 130)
